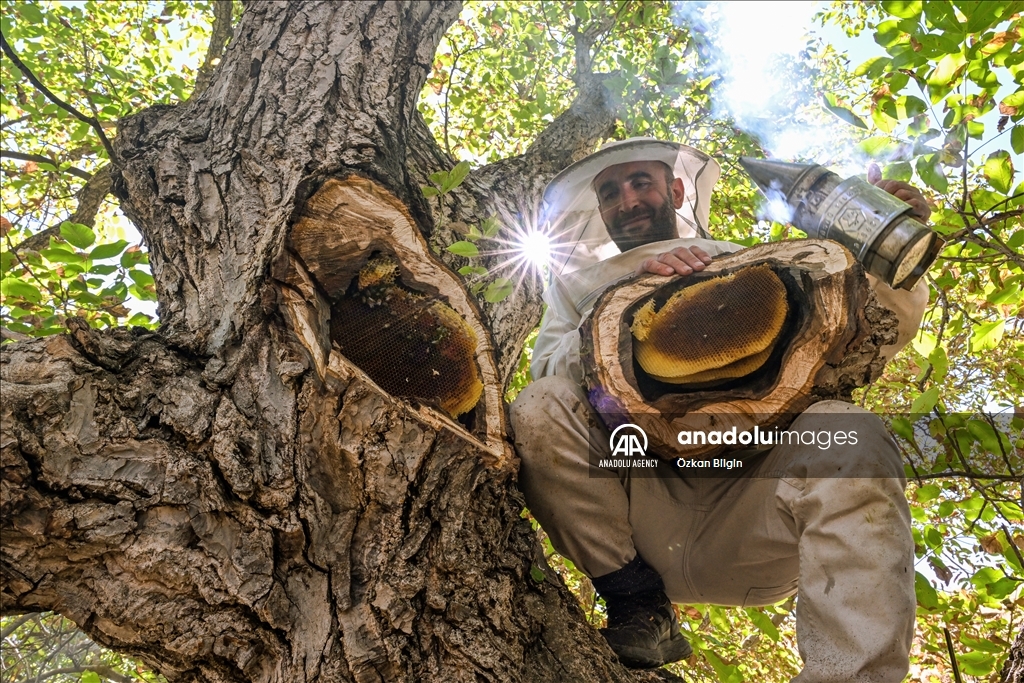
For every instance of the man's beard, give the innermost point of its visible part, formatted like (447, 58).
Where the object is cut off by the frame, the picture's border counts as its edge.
(662, 227)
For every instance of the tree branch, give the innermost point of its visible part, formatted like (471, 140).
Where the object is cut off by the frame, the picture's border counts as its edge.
(90, 199)
(15, 625)
(101, 670)
(91, 120)
(40, 159)
(222, 10)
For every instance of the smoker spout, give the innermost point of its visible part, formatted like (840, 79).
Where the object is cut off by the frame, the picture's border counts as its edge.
(781, 176)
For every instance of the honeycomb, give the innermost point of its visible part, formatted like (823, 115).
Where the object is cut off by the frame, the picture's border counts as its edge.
(718, 329)
(410, 344)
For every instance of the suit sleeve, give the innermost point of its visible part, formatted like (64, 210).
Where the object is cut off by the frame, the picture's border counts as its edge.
(557, 349)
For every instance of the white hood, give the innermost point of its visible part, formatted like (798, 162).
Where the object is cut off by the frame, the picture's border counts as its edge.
(579, 237)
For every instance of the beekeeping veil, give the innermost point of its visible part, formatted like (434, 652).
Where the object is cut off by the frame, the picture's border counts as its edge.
(578, 234)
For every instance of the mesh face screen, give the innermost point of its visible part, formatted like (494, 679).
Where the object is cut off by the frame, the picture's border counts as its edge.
(717, 329)
(410, 344)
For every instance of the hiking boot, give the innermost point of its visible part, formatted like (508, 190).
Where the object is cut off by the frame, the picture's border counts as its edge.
(642, 627)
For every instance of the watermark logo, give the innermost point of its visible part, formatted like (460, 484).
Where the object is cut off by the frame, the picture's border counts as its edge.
(625, 441)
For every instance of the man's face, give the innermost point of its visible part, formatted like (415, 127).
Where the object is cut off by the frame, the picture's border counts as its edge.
(637, 204)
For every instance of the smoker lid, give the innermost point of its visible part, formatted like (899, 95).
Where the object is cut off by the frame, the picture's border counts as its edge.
(579, 237)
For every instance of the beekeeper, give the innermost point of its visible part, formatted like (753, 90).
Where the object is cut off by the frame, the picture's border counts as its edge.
(790, 525)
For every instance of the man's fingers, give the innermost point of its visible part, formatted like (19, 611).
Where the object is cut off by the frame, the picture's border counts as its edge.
(653, 265)
(684, 255)
(677, 264)
(701, 254)
(680, 260)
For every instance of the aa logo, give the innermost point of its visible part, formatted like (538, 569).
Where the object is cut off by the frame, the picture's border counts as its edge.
(626, 441)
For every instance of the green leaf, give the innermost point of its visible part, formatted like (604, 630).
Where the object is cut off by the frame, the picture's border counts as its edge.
(90, 677)
(883, 121)
(141, 277)
(939, 362)
(429, 191)
(62, 256)
(77, 234)
(926, 493)
(987, 336)
(903, 428)
(536, 574)
(133, 257)
(1008, 294)
(888, 32)
(1016, 99)
(946, 69)
(16, 288)
(984, 14)
(927, 597)
(940, 15)
(844, 113)
(992, 440)
(904, 9)
(498, 290)
(999, 171)
(1017, 138)
(464, 248)
(727, 673)
(977, 663)
(873, 67)
(490, 227)
(901, 170)
(877, 147)
(931, 173)
(455, 176)
(908, 106)
(103, 270)
(105, 251)
(30, 13)
(472, 270)
(925, 402)
(139, 319)
(763, 623)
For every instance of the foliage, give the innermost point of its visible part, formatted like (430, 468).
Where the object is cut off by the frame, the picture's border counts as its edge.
(106, 60)
(48, 647)
(505, 71)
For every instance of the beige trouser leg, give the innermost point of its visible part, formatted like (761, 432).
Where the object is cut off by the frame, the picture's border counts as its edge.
(834, 522)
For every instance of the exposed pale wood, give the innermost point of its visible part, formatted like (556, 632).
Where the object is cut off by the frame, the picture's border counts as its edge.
(832, 349)
(343, 223)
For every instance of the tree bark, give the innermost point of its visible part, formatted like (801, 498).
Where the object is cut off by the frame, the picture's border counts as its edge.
(1013, 668)
(229, 498)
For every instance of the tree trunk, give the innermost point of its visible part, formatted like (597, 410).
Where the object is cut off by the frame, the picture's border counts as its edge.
(230, 498)
(1013, 668)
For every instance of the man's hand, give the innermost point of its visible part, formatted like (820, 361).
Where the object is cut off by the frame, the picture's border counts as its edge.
(680, 260)
(901, 190)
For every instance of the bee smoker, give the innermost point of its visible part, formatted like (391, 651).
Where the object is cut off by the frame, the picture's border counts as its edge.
(868, 221)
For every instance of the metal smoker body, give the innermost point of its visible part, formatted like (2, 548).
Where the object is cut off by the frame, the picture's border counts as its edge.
(868, 221)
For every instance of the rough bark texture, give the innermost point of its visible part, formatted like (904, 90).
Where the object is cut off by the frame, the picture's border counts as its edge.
(1013, 668)
(229, 500)
(829, 346)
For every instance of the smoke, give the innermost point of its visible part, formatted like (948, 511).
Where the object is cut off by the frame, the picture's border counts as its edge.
(758, 51)
(775, 207)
